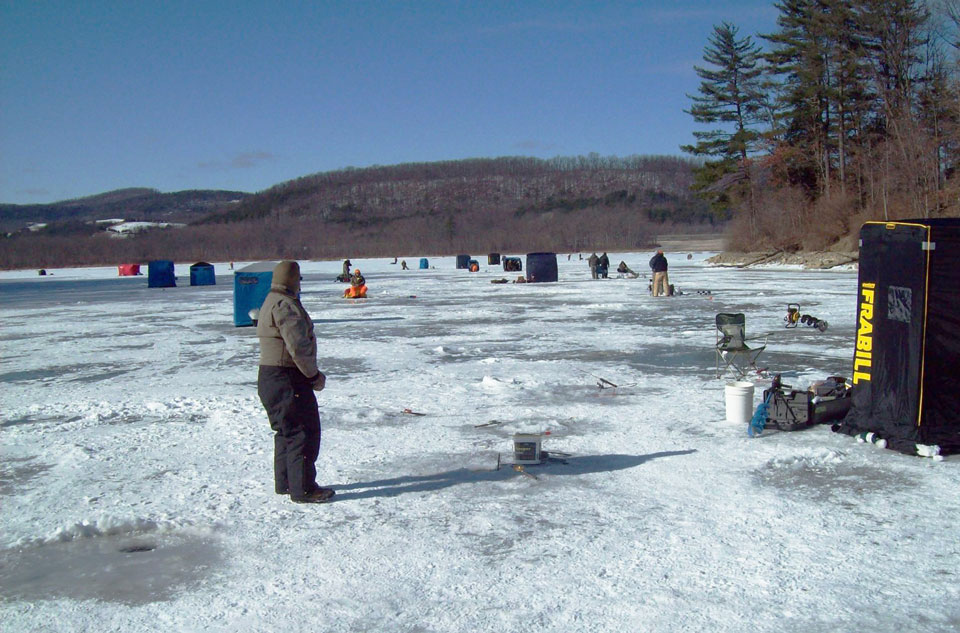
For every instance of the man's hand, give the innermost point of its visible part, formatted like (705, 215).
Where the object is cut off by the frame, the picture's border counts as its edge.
(319, 382)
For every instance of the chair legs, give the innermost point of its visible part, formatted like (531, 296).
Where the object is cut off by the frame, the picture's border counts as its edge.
(741, 362)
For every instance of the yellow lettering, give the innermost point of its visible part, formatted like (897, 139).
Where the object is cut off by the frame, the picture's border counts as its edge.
(863, 357)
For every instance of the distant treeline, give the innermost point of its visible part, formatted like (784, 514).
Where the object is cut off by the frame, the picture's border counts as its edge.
(510, 204)
(848, 111)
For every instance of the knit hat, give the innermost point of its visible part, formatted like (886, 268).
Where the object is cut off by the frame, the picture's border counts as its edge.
(286, 276)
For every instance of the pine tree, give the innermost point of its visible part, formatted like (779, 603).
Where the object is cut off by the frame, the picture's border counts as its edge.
(731, 97)
(797, 60)
(729, 94)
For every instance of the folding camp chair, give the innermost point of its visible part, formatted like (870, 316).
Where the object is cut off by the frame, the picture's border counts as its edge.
(732, 347)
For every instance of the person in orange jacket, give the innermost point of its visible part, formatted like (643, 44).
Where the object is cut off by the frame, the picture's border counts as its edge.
(358, 286)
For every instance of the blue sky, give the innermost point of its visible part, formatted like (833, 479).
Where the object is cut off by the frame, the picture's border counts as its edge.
(243, 95)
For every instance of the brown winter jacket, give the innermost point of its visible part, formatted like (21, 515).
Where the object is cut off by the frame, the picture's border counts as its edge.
(284, 327)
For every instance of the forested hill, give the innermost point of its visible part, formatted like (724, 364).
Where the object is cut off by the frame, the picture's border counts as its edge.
(515, 185)
(511, 204)
(141, 204)
(507, 203)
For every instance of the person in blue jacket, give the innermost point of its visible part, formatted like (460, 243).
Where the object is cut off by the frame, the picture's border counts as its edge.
(661, 284)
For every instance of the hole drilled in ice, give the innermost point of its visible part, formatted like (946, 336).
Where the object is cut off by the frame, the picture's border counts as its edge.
(108, 568)
(135, 548)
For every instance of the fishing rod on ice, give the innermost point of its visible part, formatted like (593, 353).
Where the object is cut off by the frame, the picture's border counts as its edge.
(603, 383)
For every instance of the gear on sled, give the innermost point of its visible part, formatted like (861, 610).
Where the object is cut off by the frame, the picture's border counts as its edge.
(794, 318)
(792, 409)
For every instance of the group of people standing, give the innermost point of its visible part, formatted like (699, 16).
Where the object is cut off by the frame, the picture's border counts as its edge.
(658, 265)
(599, 265)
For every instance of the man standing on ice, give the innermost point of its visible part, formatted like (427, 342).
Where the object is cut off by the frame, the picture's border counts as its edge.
(287, 378)
(658, 264)
(593, 261)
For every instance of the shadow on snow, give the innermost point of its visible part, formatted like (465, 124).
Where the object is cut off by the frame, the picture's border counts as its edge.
(429, 483)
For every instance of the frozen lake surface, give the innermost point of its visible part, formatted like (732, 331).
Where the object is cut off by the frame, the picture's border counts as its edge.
(136, 482)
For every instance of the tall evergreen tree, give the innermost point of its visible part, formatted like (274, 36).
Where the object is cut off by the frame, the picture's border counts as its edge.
(798, 59)
(730, 97)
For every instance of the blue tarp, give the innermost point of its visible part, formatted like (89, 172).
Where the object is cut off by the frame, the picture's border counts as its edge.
(202, 274)
(251, 285)
(161, 274)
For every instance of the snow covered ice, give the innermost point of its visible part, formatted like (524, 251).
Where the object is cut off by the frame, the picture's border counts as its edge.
(136, 483)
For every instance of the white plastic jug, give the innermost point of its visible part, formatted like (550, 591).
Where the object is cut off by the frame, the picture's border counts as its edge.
(739, 396)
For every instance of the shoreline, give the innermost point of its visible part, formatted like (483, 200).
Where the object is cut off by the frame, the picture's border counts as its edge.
(814, 260)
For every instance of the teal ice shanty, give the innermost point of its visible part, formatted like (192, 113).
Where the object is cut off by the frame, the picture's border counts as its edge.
(202, 274)
(424, 263)
(160, 274)
(251, 284)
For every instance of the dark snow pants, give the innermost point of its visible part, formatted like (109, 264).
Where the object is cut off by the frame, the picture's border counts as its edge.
(292, 409)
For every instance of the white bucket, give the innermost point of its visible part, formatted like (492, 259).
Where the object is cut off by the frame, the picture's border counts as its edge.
(739, 402)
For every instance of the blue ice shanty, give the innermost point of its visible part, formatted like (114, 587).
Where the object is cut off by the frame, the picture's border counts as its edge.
(424, 263)
(251, 284)
(160, 274)
(463, 261)
(202, 274)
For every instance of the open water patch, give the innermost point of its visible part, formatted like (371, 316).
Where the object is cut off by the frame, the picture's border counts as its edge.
(131, 570)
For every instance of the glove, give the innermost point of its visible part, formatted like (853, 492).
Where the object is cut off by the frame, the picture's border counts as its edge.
(318, 382)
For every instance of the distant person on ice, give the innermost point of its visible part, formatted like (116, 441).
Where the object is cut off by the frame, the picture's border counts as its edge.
(658, 264)
(603, 266)
(287, 378)
(346, 267)
(592, 262)
(623, 269)
(358, 286)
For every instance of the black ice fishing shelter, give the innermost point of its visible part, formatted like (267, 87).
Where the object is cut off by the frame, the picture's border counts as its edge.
(541, 267)
(906, 364)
